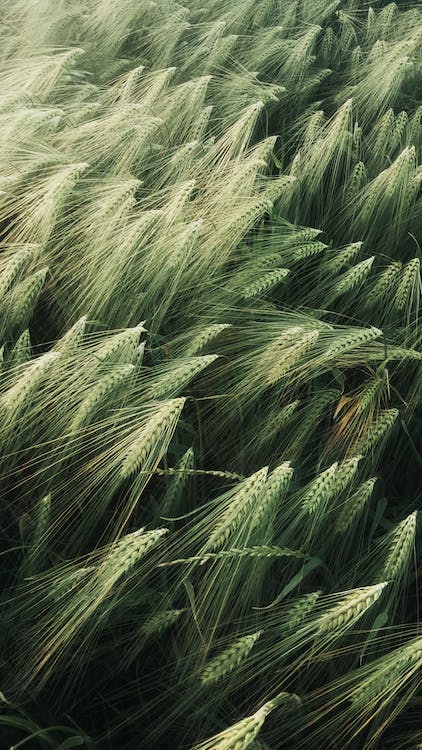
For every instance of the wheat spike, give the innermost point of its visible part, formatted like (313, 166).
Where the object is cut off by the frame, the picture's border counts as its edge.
(170, 384)
(354, 505)
(390, 671)
(229, 659)
(353, 340)
(301, 609)
(274, 488)
(15, 398)
(199, 342)
(120, 348)
(70, 343)
(239, 736)
(264, 551)
(243, 501)
(351, 279)
(21, 352)
(156, 428)
(378, 430)
(350, 608)
(402, 541)
(409, 284)
(25, 296)
(38, 547)
(15, 264)
(265, 282)
(161, 621)
(101, 392)
(320, 490)
(385, 285)
(126, 553)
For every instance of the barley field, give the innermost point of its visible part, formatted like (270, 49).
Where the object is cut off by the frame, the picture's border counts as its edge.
(210, 374)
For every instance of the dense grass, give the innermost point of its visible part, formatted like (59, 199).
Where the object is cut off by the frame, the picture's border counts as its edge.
(210, 390)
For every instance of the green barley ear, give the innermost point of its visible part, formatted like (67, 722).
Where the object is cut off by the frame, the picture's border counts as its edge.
(373, 97)
(37, 551)
(314, 125)
(328, 45)
(381, 135)
(170, 383)
(350, 280)
(155, 432)
(273, 490)
(271, 354)
(258, 551)
(305, 251)
(161, 621)
(409, 285)
(301, 609)
(14, 264)
(119, 348)
(392, 193)
(350, 609)
(265, 283)
(355, 60)
(125, 553)
(241, 504)
(24, 298)
(297, 62)
(17, 396)
(101, 393)
(388, 675)
(349, 341)
(384, 286)
(21, 352)
(239, 736)
(401, 543)
(291, 356)
(172, 496)
(70, 343)
(415, 126)
(229, 659)
(338, 260)
(399, 130)
(205, 337)
(386, 19)
(297, 237)
(354, 506)
(356, 183)
(320, 490)
(378, 430)
(69, 581)
(327, 156)
(277, 190)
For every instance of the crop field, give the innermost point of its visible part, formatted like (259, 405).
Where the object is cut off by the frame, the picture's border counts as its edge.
(210, 375)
